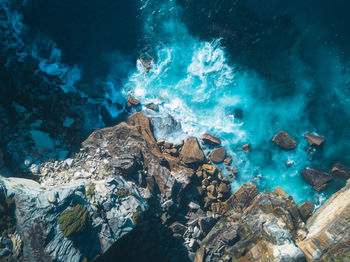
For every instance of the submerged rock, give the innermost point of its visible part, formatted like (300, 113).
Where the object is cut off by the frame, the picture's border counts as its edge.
(146, 61)
(340, 171)
(317, 177)
(191, 152)
(211, 140)
(315, 140)
(218, 155)
(283, 140)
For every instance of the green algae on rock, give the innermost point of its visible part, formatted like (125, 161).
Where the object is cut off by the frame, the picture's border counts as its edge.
(74, 221)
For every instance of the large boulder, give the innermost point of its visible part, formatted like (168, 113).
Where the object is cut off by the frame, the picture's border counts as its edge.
(283, 140)
(218, 155)
(211, 140)
(317, 177)
(340, 171)
(329, 230)
(315, 140)
(191, 152)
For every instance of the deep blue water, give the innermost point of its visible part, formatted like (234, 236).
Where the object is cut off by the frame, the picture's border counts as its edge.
(284, 64)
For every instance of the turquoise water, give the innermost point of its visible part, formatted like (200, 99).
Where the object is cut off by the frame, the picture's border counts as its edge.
(200, 88)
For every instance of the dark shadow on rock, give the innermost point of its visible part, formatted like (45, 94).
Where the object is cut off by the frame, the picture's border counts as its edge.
(151, 241)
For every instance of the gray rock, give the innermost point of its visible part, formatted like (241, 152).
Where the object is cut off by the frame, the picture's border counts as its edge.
(317, 177)
(340, 171)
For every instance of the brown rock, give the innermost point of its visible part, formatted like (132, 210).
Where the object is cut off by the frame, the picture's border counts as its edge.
(191, 152)
(218, 155)
(200, 255)
(246, 148)
(210, 169)
(340, 171)
(211, 189)
(283, 140)
(317, 177)
(132, 102)
(306, 209)
(153, 107)
(234, 171)
(211, 140)
(315, 140)
(228, 160)
(224, 188)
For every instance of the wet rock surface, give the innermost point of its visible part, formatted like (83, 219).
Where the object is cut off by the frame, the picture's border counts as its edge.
(315, 140)
(317, 177)
(285, 141)
(211, 140)
(218, 155)
(340, 171)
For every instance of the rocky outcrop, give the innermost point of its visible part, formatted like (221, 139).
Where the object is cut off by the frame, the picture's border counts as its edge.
(255, 227)
(191, 152)
(317, 177)
(329, 230)
(315, 140)
(113, 177)
(340, 171)
(283, 140)
(211, 140)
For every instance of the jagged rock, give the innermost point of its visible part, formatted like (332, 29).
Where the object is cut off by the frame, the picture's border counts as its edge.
(153, 107)
(178, 228)
(132, 102)
(228, 160)
(206, 224)
(211, 140)
(283, 140)
(112, 159)
(317, 177)
(191, 152)
(306, 209)
(340, 171)
(210, 169)
(328, 229)
(256, 227)
(315, 140)
(218, 155)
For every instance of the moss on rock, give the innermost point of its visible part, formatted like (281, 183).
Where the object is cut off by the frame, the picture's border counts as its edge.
(136, 217)
(91, 190)
(74, 221)
(122, 192)
(7, 215)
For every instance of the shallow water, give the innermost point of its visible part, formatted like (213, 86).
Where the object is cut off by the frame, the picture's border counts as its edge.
(283, 68)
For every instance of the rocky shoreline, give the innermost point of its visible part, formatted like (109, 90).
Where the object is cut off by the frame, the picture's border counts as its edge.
(124, 186)
(68, 195)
